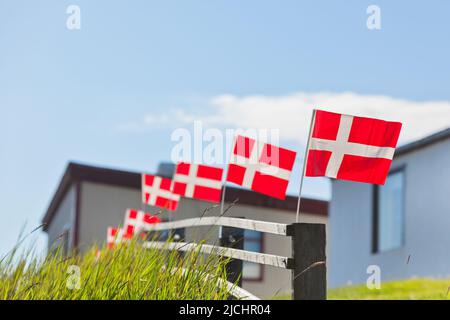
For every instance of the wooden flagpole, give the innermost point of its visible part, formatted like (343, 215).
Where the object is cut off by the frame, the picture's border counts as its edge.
(304, 165)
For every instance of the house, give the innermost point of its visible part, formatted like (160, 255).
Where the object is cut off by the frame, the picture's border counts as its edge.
(402, 227)
(89, 199)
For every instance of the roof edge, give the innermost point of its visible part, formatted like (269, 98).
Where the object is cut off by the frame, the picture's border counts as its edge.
(423, 142)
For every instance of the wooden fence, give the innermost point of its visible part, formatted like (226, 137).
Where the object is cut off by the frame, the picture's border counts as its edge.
(308, 261)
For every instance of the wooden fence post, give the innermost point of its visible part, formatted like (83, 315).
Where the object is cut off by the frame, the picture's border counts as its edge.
(309, 275)
(233, 238)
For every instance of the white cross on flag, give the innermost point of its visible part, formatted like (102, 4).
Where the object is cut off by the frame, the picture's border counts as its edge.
(262, 167)
(114, 236)
(198, 181)
(156, 191)
(351, 148)
(136, 221)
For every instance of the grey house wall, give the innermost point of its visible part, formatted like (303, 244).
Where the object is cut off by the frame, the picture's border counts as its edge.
(104, 205)
(427, 222)
(64, 220)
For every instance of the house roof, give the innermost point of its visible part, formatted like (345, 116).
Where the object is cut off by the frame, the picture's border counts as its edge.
(424, 142)
(76, 172)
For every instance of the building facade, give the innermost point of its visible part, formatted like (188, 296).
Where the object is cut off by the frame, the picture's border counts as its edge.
(402, 227)
(89, 199)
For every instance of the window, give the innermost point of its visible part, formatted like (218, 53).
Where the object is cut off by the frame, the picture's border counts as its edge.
(389, 213)
(252, 242)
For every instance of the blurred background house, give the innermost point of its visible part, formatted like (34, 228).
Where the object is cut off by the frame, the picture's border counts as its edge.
(404, 226)
(89, 199)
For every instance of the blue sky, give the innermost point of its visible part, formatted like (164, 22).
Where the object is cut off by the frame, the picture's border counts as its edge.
(90, 95)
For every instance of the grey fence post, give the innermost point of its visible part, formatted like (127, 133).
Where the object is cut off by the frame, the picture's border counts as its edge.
(233, 238)
(309, 273)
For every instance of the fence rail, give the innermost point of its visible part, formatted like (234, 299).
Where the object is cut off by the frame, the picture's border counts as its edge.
(255, 225)
(236, 291)
(256, 257)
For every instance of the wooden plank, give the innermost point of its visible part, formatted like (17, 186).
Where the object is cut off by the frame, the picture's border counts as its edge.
(234, 290)
(261, 226)
(309, 275)
(261, 258)
(240, 293)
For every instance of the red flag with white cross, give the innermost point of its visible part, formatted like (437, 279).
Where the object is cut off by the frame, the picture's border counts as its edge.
(157, 191)
(137, 221)
(261, 167)
(114, 236)
(198, 181)
(351, 148)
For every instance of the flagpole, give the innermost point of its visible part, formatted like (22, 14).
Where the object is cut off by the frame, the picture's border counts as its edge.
(304, 166)
(223, 195)
(225, 171)
(172, 185)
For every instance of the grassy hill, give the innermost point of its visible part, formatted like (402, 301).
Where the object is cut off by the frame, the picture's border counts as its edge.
(127, 272)
(413, 289)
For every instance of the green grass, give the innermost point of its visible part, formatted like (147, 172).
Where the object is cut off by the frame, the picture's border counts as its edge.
(412, 289)
(126, 272)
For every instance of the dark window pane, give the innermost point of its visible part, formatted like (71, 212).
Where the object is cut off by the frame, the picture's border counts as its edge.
(250, 234)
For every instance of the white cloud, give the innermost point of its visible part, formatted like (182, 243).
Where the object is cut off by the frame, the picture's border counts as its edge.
(292, 113)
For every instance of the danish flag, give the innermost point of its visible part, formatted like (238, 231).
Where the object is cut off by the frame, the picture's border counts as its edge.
(156, 191)
(198, 181)
(262, 167)
(351, 148)
(114, 236)
(136, 221)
